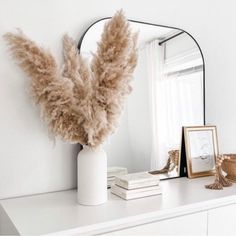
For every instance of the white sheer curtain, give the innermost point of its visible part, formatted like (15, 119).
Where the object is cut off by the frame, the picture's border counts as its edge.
(180, 104)
(175, 101)
(155, 59)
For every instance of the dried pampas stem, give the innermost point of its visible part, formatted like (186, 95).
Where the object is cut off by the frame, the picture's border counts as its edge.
(84, 102)
(112, 65)
(49, 89)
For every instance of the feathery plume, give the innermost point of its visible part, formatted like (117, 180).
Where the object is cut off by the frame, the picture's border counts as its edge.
(112, 65)
(84, 102)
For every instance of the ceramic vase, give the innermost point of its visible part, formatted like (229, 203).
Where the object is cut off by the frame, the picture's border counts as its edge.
(92, 176)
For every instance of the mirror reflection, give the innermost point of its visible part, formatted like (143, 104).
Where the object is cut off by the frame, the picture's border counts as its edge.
(168, 93)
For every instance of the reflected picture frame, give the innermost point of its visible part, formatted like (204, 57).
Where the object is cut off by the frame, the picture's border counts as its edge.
(201, 148)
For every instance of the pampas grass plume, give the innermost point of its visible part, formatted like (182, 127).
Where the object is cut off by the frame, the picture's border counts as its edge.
(83, 103)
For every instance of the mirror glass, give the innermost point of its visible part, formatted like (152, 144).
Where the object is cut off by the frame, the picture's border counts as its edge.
(168, 93)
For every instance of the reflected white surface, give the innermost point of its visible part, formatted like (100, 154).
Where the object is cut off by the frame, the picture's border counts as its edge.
(167, 94)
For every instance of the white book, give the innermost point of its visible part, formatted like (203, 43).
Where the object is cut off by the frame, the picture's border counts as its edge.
(135, 193)
(113, 171)
(111, 178)
(137, 180)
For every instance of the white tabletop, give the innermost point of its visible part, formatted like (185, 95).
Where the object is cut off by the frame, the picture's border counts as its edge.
(59, 212)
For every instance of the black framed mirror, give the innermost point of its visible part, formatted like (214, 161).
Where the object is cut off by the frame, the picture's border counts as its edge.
(168, 93)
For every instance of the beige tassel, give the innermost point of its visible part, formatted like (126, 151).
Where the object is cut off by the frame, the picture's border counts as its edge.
(220, 180)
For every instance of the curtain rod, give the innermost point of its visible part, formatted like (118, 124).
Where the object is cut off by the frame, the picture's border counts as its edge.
(165, 40)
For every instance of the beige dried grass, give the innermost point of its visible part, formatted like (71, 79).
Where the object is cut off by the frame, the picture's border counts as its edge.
(83, 103)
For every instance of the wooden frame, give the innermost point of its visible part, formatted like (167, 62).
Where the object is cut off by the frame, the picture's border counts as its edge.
(201, 146)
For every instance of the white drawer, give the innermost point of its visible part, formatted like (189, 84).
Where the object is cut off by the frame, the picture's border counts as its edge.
(221, 221)
(188, 225)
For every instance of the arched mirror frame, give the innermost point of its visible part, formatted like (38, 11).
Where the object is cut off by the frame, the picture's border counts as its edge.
(170, 27)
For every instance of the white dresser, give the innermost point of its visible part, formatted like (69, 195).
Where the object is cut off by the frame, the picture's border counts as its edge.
(184, 208)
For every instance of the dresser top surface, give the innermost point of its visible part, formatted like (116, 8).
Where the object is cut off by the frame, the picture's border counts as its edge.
(59, 212)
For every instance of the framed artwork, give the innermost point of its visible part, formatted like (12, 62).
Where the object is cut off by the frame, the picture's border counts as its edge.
(201, 147)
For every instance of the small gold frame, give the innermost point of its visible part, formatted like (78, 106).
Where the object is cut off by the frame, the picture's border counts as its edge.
(212, 145)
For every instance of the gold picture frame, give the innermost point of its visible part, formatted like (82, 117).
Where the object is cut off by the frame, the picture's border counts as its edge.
(201, 148)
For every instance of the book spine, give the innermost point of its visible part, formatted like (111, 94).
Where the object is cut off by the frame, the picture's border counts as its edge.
(133, 185)
(136, 195)
(138, 190)
(142, 184)
(141, 190)
(118, 193)
(121, 183)
(143, 194)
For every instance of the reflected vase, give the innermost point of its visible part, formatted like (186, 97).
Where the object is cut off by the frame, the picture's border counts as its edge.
(92, 176)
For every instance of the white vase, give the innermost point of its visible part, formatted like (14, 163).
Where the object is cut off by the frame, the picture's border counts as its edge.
(92, 176)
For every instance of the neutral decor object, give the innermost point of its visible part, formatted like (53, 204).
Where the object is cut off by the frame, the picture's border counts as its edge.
(135, 193)
(83, 103)
(220, 180)
(92, 176)
(229, 167)
(137, 180)
(136, 185)
(201, 148)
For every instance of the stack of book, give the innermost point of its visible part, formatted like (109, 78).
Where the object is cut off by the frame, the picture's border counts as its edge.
(136, 185)
(113, 172)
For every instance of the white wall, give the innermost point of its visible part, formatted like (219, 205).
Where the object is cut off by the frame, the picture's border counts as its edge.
(28, 161)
